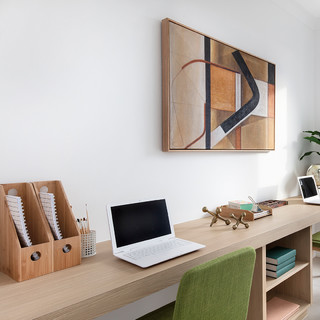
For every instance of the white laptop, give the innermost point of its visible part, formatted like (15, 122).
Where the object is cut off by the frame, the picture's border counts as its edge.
(141, 233)
(309, 190)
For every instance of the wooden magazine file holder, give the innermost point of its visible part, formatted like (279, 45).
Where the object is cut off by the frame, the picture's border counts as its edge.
(68, 226)
(16, 261)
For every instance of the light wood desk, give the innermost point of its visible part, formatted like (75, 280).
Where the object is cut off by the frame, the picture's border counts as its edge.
(103, 283)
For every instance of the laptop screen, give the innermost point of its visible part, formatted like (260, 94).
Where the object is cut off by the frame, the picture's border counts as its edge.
(140, 221)
(308, 187)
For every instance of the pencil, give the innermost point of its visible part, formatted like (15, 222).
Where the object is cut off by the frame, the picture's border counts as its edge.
(82, 226)
(87, 218)
(86, 225)
(79, 225)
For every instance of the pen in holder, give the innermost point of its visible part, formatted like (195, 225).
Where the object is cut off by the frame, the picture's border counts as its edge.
(88, 237)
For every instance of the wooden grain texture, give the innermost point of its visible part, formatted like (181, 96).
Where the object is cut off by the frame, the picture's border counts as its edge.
(9, 242)
(103, 282)
(257, 305)
(68, 227)
(15, 260)
(165, 83)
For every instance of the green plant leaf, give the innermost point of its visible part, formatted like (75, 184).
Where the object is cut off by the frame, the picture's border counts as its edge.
(308, 154)
(313, 133)
(305, 154)
(313, 139)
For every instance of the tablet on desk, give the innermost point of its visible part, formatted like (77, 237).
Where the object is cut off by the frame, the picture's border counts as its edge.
(142, 234)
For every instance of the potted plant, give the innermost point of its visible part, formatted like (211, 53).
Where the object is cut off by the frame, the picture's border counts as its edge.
(314, 136)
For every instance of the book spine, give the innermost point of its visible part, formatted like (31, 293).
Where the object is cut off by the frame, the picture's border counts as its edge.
(257, 215)
(277, 274)
(282, 258)
(274, 267)
(240, 205)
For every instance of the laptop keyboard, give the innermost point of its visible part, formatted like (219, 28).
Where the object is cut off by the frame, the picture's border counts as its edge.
(156, 249)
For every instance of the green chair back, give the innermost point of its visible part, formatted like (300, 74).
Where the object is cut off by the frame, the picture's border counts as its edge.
(216, 290)
(316, 240)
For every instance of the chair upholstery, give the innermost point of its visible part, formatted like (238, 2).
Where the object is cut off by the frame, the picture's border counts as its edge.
(216, 290)
(316, 241)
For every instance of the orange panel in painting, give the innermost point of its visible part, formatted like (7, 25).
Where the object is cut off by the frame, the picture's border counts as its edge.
(229, 142)
(257, 67)
(271, 137)
(218, 116)
(221, 54)
(223, 89)
(238, 138)
(257, 134)
(271, 100)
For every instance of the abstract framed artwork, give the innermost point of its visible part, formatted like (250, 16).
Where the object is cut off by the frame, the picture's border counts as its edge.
(214, 96)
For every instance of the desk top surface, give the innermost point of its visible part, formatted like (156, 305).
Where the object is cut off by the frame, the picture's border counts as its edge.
(103, 282)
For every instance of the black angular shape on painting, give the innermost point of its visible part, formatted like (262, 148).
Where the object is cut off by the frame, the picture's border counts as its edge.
(247, 108)
(271, 73)
(208, 92)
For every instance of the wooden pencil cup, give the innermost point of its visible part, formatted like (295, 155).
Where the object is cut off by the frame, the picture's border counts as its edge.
(67, 251)
(16, 261)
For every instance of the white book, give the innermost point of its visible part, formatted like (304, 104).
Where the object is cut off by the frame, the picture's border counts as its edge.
(257, 215)
(16, 209)
(49, 207)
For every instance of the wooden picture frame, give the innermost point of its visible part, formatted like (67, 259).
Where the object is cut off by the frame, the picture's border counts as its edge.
(214, 96)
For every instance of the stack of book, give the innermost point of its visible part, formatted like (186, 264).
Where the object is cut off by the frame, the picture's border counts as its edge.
(254, 209)
(240, 204)
(279, 261)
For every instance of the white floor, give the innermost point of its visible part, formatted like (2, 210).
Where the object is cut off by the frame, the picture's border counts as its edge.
(314, 311)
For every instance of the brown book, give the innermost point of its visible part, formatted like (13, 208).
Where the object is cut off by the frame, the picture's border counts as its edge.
(280, 309)
(274, 203)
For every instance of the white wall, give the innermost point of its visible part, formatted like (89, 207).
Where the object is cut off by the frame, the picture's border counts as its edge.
(80, 98)
(80, 95)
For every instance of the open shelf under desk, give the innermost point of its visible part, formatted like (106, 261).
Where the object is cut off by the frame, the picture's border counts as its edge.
(272, 282)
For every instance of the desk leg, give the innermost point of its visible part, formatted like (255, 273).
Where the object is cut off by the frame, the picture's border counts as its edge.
(258, 304)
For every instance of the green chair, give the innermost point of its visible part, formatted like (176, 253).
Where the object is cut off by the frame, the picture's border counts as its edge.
(216, 290)
(316, 241)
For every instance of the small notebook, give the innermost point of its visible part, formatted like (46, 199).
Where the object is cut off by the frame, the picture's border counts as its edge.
(280, 309)
(49, 207)
(16, 209)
